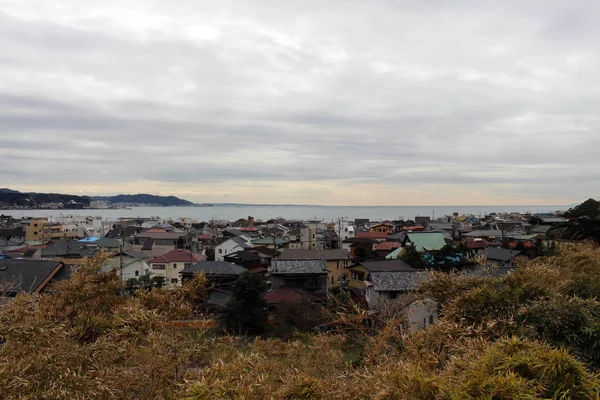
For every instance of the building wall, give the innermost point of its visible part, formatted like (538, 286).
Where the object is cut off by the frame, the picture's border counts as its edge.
(308, 238)
(225, 248)
(355, 279)
(33, 231)
(133, 269)
(170, 271)
(421, 314)
(336, 269)
(382, 228)
(318, 283)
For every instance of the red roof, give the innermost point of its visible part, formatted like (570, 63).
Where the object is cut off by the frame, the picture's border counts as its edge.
(207, 236)
(387, 246)
(282, 294)
(155, 230)
(372, 235)
(247, 229)
(414, 228)
(178, 255)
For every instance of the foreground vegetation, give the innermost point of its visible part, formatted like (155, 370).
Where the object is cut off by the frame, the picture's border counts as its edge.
(532, 334)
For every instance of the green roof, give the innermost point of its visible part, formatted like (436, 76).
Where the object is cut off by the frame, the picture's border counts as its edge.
(427, 240)
(394, 254)
(269, 241)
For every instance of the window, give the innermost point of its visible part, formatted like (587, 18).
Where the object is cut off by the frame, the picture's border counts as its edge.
(424, 321)
(174, 280)
(332, 280)
(158, 266)
(35, 233)
(220, 251)
(137, 273)
(35, 225)
(186, 265)
(174, 265)
(430, 319)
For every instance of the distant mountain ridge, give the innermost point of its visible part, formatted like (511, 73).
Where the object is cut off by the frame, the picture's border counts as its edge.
(14, 198)
(145, 199)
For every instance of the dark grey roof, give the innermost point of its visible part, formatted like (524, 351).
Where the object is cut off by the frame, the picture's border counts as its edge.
(148, 244)
(388, 265)
(127, 231)
(25, 275)
(304, 254)
(7, 243)
(214, 268)
(60, 249)
(241, 242)
(541, 229)
(107, 243)
(500, 254)
(136, 254)
(30, 253)
(400, 236)
(162, 235)
(444, 226)
(279, 266)
(396, 281)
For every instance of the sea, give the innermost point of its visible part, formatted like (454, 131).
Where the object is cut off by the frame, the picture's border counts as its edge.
(266, 212)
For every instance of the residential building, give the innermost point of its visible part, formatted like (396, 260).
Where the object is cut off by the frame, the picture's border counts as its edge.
(424, 241)
(499, 257)
(386, 227)
(303, 276)
(231, 245)
(27, 276)
(128, 265)
(170, 265)
(158, 243)
(385, 248)
(220, 273)
(270, 242)
(337, 261)
(360, 272)
(382, 286)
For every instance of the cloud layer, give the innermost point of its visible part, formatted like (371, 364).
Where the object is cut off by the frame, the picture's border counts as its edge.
(308, 102)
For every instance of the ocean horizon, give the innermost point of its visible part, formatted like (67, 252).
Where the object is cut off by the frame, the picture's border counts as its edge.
(232, 212)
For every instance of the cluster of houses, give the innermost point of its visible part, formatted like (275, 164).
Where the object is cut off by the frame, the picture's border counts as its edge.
(297, 258)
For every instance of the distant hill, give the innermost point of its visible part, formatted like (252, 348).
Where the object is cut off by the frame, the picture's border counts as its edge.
(145, 199)
(14, 198)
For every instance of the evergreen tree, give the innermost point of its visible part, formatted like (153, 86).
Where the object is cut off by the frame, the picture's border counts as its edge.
(247, 311)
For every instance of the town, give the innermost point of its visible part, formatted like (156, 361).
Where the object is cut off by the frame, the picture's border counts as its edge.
(377, 261)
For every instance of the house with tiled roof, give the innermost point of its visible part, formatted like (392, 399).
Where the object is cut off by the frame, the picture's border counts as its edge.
(27, 276)
(385, 285)
(337, 261)
(385, 248)
(221, 274)
(170, 265)
(307, 276)
(360, 272)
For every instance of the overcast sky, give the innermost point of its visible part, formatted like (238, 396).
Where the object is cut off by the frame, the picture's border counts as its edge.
(382, 102)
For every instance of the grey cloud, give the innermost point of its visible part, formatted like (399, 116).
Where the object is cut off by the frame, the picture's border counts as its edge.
(384, 92)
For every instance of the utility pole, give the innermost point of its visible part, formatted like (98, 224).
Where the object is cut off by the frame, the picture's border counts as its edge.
(121, 253)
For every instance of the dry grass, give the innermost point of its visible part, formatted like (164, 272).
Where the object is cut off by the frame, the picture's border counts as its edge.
(87, 342)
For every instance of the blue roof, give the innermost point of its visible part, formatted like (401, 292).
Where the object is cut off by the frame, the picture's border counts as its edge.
(88, 240)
